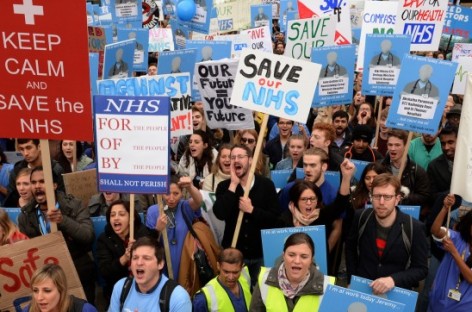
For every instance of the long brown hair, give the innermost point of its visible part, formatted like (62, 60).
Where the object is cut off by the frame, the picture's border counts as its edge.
(58, 277)
(7, 226)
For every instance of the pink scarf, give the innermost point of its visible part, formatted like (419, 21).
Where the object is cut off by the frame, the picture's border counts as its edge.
(300, 220)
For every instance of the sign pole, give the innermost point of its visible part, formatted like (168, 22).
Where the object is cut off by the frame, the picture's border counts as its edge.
(377, 127)
(131, 216)
(166, 239)
(48, 180)
(250, 177)
(405, 154)
(74, 156)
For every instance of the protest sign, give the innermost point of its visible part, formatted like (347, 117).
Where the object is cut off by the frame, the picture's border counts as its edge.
(305, 34)
(461, 183)
(13, 213)
(152, 13)
(176, 86)
(102, 14)
(81, 184)
(93, 67)
(126, 10)
(461, 50)
(460, 78)
(356, 11)
(337, 74)
(287, 7)
(338, 9)
(169, 7)
(160, 39)
(45, 78)
(254, 38)
(421, 94)
(141, 35)
(379, 17)
(179, 61)
(201, 20)
(132, 135)
(97, 41)
(233, 14)
(405, 296)
(413, 211)
(180, 33)
(275, 6)
(261, 15)
(90, 15)
(118, 61)
(19, 261)
(383, 56)
(275, 85)
(457, 21)
(345, 299)
(423, 21)
(215, 81)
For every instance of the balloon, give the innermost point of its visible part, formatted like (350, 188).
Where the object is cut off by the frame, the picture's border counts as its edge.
(186, 10)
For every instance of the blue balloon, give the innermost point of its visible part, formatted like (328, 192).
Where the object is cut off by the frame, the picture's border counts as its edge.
(186, 10)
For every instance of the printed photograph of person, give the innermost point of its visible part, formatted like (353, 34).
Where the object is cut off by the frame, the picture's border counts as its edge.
(120, 67)
(207, 53)
(332, 68)
(176, 61)
(385, 56)
(423, 85)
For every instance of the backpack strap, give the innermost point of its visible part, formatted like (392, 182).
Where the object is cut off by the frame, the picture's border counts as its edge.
(365, 216)
(125, 291)
(166, 292)
(407, 235)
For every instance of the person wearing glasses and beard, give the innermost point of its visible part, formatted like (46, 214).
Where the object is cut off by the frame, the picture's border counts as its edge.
(384, 244)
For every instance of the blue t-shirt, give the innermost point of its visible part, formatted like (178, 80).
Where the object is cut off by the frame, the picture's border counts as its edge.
(239, 304)
(177, 233)
(137, 301)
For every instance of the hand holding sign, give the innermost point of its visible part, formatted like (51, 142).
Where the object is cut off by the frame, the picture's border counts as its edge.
(382, 285)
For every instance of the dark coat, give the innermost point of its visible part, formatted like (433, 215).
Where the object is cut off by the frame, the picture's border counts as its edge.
(439, 175)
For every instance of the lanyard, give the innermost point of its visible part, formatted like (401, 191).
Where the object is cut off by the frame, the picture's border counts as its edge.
(44, 224)
(459, 279)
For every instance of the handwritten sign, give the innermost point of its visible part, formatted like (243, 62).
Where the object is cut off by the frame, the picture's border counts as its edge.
(132, 135)
(160, 39)
(20, 260)
(81, 184)
(275, 85)
(215, 80)
(233, 14)
(461, 50)
(460, 78)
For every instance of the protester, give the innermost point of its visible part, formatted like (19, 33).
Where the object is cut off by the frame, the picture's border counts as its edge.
(294, 283)
(175, 210)
(114, 244)
(23, 187)
(297, 144)
(65, 157)
(249, 138)
(221, 169)
(343, 139)
(99, 203)
(149, 289)
(424, 149)
(5, 169)
(9, 233)
(360, 148)
(382, 137)
(360, 194)
(277, 148)
(322, 136)
(230, 290)
(50, 292)
(364, 116)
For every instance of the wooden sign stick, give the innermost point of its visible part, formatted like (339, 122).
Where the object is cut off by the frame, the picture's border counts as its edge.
(377, 127)
(74, 156)
(250, 177)
(131, 216)
(404, 156)
(48, 180)
(160, 204)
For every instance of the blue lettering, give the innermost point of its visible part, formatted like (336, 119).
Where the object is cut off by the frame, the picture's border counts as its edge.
(141, 86)
(272, 98)
(250, 89)
(277, 99)
(292, 107)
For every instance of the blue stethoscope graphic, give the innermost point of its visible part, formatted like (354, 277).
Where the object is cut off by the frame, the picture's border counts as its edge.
(336, 70)
(389, 58)
(427, 87)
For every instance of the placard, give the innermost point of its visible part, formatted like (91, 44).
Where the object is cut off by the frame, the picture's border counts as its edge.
(273, 241)
(45, 89)
(160, 39)
(81, 184)
(152, 13)
(215, 80)
(261, 15)
(20, 260)
(275, 85)
(118, 62)
(423, 21)
(201, 20)
(458, 21)
(460, 78)
(233, 14)
(180, 33)
(126, 10)
(132, 139)
(421, 94)
(461, 50)
(141, 35)
(305, 34)
(287, 7)
(254, 38)
(383, 56)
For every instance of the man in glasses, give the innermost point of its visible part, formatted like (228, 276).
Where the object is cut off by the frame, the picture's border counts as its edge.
(260, 209)
(384, 244)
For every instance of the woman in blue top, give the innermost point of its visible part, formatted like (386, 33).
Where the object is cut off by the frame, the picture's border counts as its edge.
(452, 287)
(173, 219)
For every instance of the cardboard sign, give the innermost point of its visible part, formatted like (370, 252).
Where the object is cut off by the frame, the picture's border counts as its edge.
(178, 61)
(45, 78)
(405, 296)
(273, 242)
(460, 78)
(180, 34)
(305, 34)
(355, 301)
(215, 80)
(20, 260)
(160, 39)
(379, 17)
(176, 86)
(383, 56)
(423, 21)
(421, 94)
(458, 21)
(233, 14)
(337, 74)
(132, 135)
(338, 9)
(275, 85)
(81, 184)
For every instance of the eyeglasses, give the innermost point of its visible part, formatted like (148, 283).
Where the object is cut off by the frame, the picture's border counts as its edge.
(286, 123)
(245, 140)
(308, 199)
(238, 157)
(384, 196)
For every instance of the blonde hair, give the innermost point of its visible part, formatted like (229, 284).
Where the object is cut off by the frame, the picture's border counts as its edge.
(7, 226)
(58, 277)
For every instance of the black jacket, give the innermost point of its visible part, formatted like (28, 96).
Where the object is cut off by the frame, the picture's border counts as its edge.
(439, 175)
(274, 150)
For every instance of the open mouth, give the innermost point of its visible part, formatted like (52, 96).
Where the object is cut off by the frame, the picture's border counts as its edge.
(39, 195)
(117, 226)
(139, 274)
(193, 151)
(296, 269)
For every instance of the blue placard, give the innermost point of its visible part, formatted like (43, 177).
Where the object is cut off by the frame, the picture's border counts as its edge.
(280, 177)
(141, 35)
(179, 61)
(413, 211)
(180, 33)
(132, 135)
(93, 67)
(360, 166)
(261, 15)
(201, 20)
(118, 62)
(349, 300)
(458, 21)
(13, 213)
(382, 62)
(421, 94)
(337, 74)
(126, 10)
(288, 11)
(405, 296)
(273, 241)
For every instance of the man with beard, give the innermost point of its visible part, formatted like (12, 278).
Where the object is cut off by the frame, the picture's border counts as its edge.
(343, 135)
(72, 220)
(260, 209)
(277, 148)
(384, 244)
(360, 149)
(424, 149)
